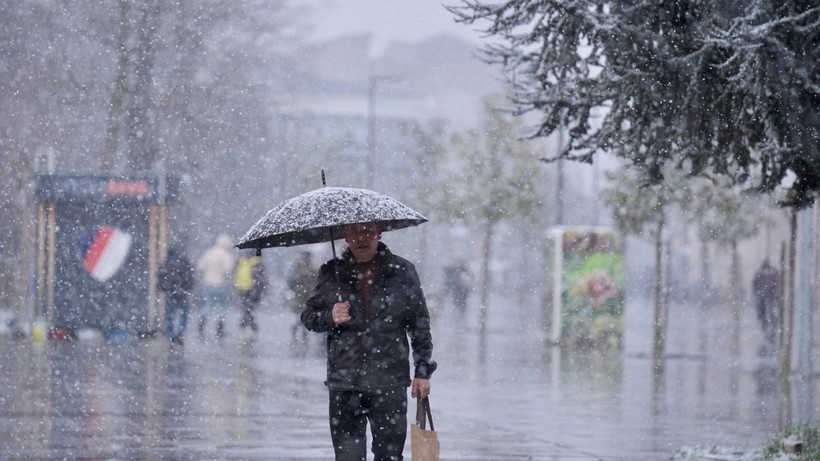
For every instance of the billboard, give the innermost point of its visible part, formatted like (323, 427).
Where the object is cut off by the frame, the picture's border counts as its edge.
(586, 281)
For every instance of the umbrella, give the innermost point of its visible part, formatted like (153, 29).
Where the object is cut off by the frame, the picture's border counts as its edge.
(319, 215)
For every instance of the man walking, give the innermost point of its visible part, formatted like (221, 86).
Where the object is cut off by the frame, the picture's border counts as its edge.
(766, 288)
(369, 302)
(176, 280)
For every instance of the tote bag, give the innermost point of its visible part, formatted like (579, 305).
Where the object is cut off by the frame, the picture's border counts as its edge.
(423, 443)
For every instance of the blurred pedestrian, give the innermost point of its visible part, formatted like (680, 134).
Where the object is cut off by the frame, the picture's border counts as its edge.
(176, 280)
(457, 283)
(215, 268)
(250, 283)
(368, 303)
(301, 279)
(766, 289)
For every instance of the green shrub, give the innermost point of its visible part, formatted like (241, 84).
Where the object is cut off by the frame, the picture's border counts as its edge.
(809, 434)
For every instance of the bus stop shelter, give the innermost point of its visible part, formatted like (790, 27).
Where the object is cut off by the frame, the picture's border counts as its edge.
(99, 242)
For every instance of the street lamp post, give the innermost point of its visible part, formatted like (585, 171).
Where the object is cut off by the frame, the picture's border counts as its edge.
(372, 86)
(371, 130)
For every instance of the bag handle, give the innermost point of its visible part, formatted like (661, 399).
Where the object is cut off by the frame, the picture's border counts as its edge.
(422, 411)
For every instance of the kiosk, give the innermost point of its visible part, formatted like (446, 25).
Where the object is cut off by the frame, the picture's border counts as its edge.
(99, 242)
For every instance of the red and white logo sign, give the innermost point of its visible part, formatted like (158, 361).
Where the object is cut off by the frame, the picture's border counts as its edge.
(103, 251)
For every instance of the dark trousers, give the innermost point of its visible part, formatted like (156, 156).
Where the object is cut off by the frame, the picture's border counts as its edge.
(172, 306)
(248, 308)
(387, 413)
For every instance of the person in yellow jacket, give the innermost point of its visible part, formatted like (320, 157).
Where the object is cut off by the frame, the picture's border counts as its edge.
(250, 283)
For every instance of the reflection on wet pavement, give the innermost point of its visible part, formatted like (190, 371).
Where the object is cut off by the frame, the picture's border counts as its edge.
(511, 396)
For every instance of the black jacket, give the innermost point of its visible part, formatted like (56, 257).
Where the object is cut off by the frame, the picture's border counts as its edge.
(176, 276)
(367, 354)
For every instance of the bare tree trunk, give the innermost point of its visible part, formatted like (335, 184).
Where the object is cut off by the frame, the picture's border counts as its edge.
(667, 281)
(528, 267)
(659, 320)
(141, 130)
(26, 257)
(737, 300)
(705, 273)
(108, 156)
(486, 253)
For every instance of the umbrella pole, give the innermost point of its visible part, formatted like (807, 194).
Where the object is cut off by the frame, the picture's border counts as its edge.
(333, 246)
(335, 261)
(332, 240)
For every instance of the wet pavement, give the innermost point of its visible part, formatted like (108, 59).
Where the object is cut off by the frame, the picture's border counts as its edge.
(508, 396)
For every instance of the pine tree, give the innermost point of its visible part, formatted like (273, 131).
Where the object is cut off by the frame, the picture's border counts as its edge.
(712, 87)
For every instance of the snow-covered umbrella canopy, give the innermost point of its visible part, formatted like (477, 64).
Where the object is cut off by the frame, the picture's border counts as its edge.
(321, 215)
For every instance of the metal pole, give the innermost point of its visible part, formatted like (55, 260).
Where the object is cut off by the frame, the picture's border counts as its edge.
(557, 289)
(559, 193)
(371, 130)
(596, 189)
(558, 265)
(372, 88)
(804, 292)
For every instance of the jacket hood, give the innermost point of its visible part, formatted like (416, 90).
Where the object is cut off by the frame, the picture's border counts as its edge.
(224, 241)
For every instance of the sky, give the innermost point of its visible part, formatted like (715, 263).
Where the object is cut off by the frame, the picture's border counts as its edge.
(387, 20)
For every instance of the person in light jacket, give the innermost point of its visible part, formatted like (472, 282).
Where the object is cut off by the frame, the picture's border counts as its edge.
(371, 306)
(215, 267)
